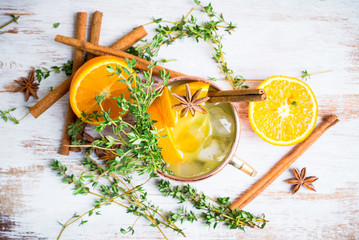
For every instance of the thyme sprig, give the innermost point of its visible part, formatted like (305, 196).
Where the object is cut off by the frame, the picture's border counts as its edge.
(7, 115)
(305, 75)
(118, 191)
(213, 211)
(13, 20)
(43, 72)
(188, 27)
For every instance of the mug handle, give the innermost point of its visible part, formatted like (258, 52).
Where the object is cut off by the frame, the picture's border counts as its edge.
(243, 166)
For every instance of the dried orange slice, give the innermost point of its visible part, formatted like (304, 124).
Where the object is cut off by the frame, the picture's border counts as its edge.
(288, 115)
(91, 80)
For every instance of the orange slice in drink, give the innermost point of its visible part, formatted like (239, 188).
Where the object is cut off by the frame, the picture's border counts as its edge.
(288, 115)
(166, 108)
(194, 86)
(181, 90)
(170, 153)
(91, 80)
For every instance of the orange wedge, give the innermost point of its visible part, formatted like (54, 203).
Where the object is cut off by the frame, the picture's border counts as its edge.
(288, 115)
(166, 108)
(170, 153)
(91, 80)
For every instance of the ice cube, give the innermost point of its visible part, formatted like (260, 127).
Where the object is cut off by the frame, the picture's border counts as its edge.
(220, 120)
(213, 149)
(189, 137)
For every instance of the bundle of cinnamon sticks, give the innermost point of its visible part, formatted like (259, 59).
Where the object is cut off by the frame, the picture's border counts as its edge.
(123, 44)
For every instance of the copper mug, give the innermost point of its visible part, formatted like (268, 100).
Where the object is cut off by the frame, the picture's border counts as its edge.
(231, 157)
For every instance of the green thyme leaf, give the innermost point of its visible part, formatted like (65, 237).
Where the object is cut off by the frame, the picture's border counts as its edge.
(83, 222)
(6, 115)
(305, 75)
(43, 72)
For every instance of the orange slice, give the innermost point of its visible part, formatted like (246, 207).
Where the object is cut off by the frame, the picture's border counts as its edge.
(166, 108)
(91, 80)
(288, 115)
(170, 153)
(194, 86)
(181, 90)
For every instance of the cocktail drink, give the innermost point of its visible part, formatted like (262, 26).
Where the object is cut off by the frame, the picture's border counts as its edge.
(194, 142)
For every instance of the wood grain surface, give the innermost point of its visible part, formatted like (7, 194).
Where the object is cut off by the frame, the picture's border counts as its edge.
(276, 37)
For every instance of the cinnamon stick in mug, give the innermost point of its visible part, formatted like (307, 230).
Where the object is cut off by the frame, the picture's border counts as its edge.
(237, 95)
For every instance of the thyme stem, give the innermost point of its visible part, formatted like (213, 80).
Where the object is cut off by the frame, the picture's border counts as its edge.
(14, 19)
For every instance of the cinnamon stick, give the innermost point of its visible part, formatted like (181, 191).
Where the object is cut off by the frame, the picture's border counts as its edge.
(77, 62)
(80, 34)
(127, 40)
(94, 38)
(66, 138)
(41, 106)
(238, 95)
(101, 50)
(284, 163)
(95, 31)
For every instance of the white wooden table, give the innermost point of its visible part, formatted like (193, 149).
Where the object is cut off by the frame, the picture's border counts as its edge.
(273, 37)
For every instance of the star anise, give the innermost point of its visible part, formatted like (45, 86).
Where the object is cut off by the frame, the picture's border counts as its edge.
(300, 180)
(28, 86)
(106, 155)
(102, 154)
(189, 102)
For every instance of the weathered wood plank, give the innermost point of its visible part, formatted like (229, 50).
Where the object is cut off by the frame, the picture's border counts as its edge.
(273, 38)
